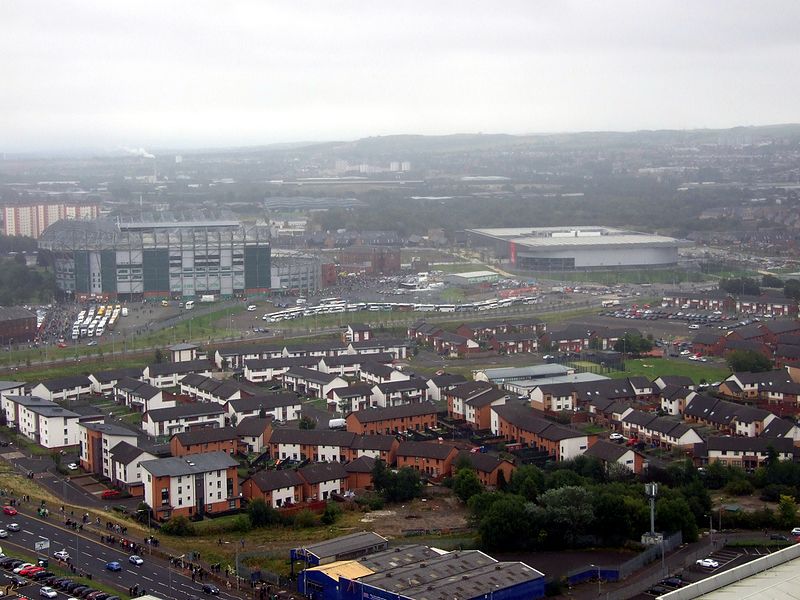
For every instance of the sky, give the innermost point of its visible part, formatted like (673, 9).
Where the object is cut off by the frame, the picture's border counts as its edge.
(205, 73)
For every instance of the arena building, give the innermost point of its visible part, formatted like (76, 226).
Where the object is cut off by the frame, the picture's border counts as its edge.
(575, 247)
(159, 258)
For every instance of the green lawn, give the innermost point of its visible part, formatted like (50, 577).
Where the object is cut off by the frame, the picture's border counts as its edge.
(460, 267)
(655, 367)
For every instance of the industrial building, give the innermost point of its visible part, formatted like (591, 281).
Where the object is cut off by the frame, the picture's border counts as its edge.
(420, 572)
(370, 260)
(17, 324)
(164, 258)
(575, 247)
(471, 278)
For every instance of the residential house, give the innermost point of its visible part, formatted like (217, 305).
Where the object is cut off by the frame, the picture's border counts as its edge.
(616, 454)
(126, 472)
(554, 397)
(747, 452)
(433, 459)
(393, 419)
(235, 357)
(202, 484)
(103, 382)
(204, 439)
(359, 473)
(42, 421)
(277, 488)
(514, 343)
(259, 370)
(96, 442)
(357, 332)
(349, 365)
(164, 375)
(454, 344)
(678, 380)
(352, 398)
(253, 433)
(12, 388)
(183, 417)
(708, 343)
(456, 397)
(394, 393)
(210, 389)
(312, 383)
(383, 447)
(321, 480)
(63, 389)
(183, 352)
(375, 373)
(317, 445)
(284, 406)
(675, 398)
(140, 395)
(438, 385)
(768, 306)
(489, 468)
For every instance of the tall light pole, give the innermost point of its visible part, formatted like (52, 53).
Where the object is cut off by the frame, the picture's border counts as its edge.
(597, 568)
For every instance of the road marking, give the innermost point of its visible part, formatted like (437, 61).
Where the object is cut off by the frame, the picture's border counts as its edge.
(28, 532)
(131, 572)
(146, 578)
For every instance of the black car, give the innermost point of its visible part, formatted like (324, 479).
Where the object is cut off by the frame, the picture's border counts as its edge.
(4, 562)
(113, 598)
(42, 574)
(19, 581)
(102, 596)
(675, 582)
(778, 536)
(77, 590)
(50, 580)
(210, 589)
(657, 590)
(85, 592)
(14, 563)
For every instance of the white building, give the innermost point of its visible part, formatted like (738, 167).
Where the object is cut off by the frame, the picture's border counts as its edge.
(41, 421)
(184, 417)
(63, 388)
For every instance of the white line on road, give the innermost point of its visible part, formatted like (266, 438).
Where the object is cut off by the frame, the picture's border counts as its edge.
(146, 578)
(131, 572)
(28, 532)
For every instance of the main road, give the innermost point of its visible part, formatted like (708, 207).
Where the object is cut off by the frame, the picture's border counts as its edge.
(88, 554)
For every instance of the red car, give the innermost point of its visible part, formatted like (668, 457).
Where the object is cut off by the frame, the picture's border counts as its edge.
(108, 494)
(28, 571)
(62, 345)
(9, 510)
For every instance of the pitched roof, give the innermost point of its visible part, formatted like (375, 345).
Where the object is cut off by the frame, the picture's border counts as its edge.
(108, 428)
(607, 451)
(680, 380)
(433, 450)
(252, 426)
(311, 437)
(189, 465)
(204, 435)
(117, 374)
(749, 444)
(126, 453)
(748, 332)
(140, 389)
(349, 360)
(639, 417)
(353, 391)
(777, 428)
(266, 401)
(779, 326)
(706, 338)
(447, 379)
(57, 384)
(187, 366)
(413, 384)
(482, 461)
(268, 481)
(285, 362)
(192, 409)
(380, 442)
(311, 375)
(13, 313)
(372, 415)
(470, 389)
(363, 464)
(523, 417)
(319, 472)
(486, 398)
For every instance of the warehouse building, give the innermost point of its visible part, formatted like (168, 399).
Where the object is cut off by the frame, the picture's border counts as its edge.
(17, 324)
(159, 258)
(575, 247)
(420, 572)
(471, 278)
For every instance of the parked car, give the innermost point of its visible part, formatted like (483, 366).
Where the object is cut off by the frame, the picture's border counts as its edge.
(616, 437)
(48, 592)
(24, 565)
(108, 494)
(796, 531)
(779, 537)
(707, 563)
(72, 466)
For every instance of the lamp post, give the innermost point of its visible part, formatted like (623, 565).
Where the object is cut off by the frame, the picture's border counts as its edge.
(597, 568)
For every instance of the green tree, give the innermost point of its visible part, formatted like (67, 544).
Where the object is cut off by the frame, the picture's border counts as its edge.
(178, 526)
(791, 289)
(748, 360)
(143, 513)
(673, 514)
(401, 486)
(466, 484)
(787, 511)
(331, 514)
(261, 514)
(159, 356)
(505, 525)
(569, 510)
(770, 281)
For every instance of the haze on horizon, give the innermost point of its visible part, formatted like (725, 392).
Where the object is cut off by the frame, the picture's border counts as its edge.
(94, 74)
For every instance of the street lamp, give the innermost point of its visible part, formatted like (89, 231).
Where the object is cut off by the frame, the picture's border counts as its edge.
(597, 568)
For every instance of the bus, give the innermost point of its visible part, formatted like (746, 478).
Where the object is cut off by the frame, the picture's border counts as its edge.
(332, 300)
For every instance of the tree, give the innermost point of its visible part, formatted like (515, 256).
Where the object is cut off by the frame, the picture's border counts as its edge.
(745, 286)
(332, 512)
(401, 486)
(770, 281)
(307, 423)
(506, 524)
(527, 481)
(179, 526)
(466, 484)
(791, 289)
(569, 510)
(159, 356)
(787, 511)
(748, 360)
(261, 514)
(143, 512)
(672, 514)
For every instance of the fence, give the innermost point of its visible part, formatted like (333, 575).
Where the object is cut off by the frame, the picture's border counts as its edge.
(622, 571)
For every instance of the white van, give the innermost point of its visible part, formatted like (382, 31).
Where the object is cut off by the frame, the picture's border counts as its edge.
(189, 305)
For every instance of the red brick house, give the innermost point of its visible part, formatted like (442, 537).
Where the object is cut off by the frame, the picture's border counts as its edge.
(433, 459)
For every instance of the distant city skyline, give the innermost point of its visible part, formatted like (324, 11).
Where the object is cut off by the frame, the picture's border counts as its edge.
(108, 76)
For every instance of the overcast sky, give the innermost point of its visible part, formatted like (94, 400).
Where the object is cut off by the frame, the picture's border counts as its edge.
(101, 74)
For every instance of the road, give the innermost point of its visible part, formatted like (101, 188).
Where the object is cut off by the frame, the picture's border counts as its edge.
(156, 575)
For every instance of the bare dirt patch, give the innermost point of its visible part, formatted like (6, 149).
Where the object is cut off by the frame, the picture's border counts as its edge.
(433, 515)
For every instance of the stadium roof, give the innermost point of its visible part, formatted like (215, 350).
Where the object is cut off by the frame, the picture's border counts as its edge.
(552, 238)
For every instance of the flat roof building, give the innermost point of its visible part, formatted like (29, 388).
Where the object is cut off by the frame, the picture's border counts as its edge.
(575, 247)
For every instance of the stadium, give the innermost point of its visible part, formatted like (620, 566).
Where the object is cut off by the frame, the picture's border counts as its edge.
(159, 258)
(572, 248)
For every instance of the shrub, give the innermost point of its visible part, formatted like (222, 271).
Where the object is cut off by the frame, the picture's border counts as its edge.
(332, 512)
(179, 526)
(739, 487)
(305, 519)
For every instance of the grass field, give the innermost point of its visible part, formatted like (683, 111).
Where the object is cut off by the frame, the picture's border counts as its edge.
(671, 276)
(655, 367)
